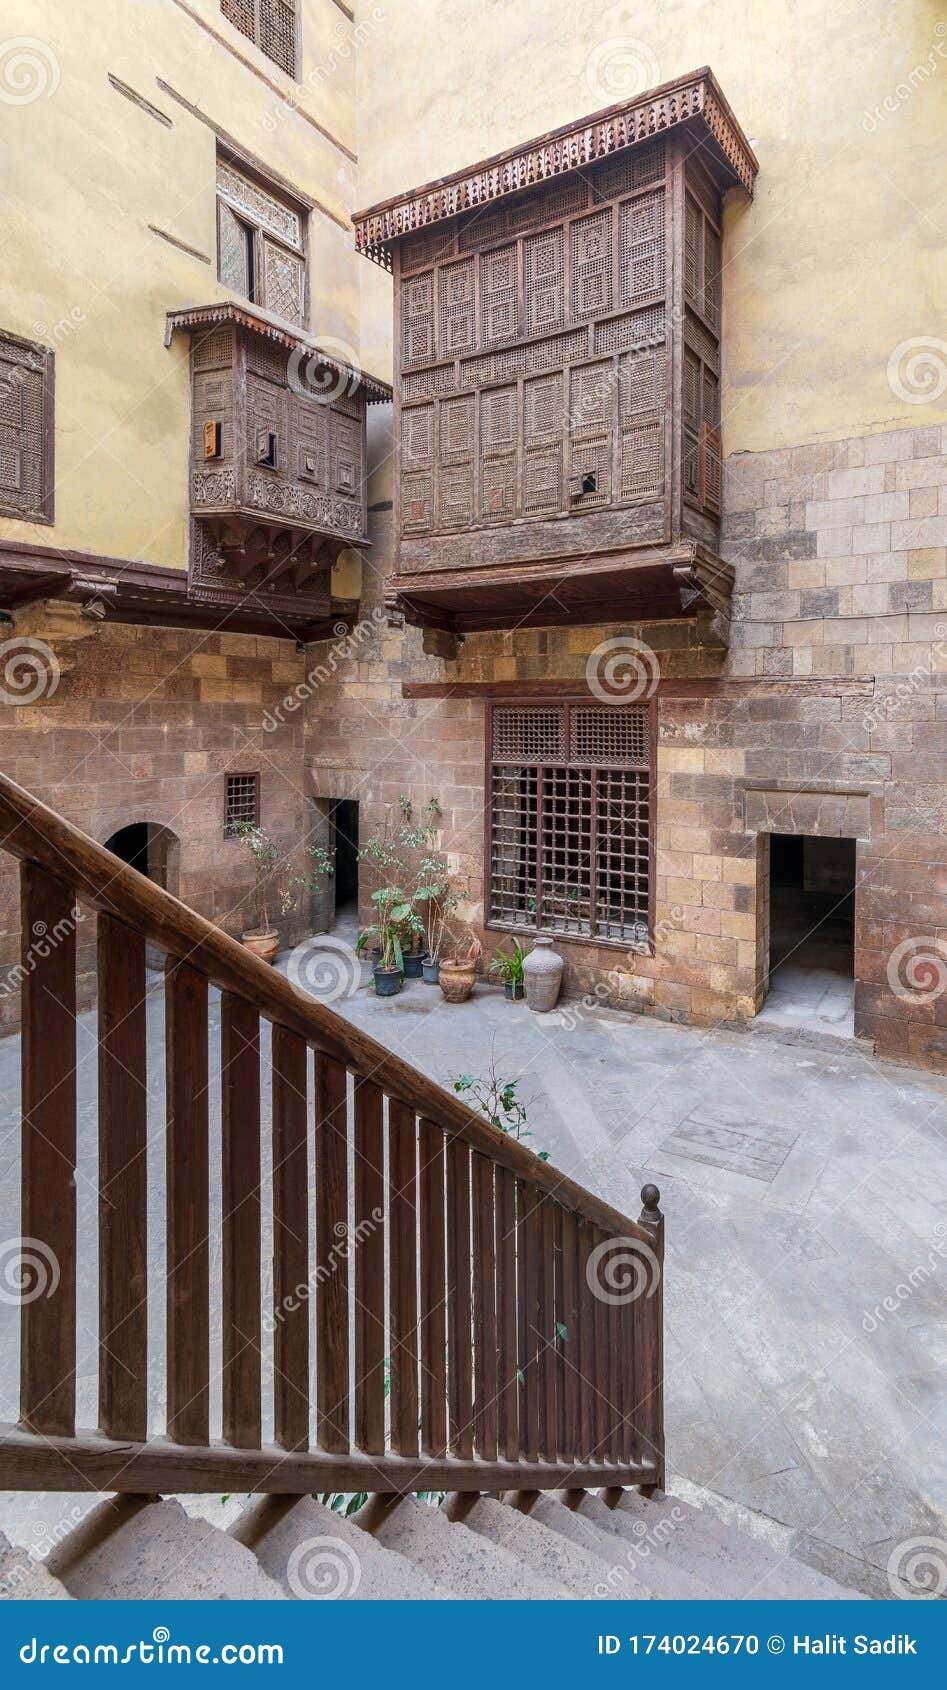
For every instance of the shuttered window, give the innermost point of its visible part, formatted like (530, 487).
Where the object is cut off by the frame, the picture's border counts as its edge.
(570, 807)
(270, 25)
(260, 251)
(26, 430)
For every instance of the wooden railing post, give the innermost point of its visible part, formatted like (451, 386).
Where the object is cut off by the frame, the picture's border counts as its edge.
(650, 1347)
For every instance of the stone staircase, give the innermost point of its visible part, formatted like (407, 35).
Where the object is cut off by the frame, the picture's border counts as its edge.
(567, 1545)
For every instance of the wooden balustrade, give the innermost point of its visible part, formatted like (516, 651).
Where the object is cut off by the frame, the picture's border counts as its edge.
(513, 1341)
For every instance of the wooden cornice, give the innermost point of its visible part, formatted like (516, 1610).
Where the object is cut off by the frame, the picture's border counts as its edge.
(194, 318)
(700, 687)
(695, 98)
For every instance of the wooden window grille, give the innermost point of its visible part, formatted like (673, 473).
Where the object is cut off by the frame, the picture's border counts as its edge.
(570, 819)
(26, 430)
(270, 25)
(241, 802)
(260, 245)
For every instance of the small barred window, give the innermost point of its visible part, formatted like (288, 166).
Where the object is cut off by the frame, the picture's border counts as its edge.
(571, 819)
(242, 802)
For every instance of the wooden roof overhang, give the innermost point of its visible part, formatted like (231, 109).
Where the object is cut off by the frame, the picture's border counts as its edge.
(651, 585)
(695, 102)
(197, 317)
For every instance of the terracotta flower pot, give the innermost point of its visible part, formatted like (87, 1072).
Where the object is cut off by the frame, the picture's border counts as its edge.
(264, 945)
(458, 974)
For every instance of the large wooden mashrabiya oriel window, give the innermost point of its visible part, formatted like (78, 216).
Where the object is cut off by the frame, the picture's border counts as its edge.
(570, 809)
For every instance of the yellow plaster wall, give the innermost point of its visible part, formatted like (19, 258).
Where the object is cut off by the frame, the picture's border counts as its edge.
(85, 172)
(841, 257)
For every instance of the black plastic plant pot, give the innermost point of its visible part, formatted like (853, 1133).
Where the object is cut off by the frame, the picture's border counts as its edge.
(387, 982)
(513, 989)
(430, 970)
(413, 965)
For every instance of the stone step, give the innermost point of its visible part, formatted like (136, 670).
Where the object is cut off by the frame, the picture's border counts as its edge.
(545, 1551)
(139, 1550)
(736, 1565)
(643, 1554)
(546, 1509)
(315, 1554)
(457, 1558)
(24, 1579)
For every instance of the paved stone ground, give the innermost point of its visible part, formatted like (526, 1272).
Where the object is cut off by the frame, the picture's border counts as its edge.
(802, 1185)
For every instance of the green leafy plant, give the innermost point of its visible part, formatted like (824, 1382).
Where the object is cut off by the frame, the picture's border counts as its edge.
(406, 885)
(267, 858)
(498, 1100)
(508, 965)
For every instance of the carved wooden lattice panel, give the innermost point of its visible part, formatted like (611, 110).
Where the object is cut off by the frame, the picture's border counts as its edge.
(270, 25)
(260, 207)
(417, 318)
(569, 806)
(234, 248)
(591, 265)
(543, 261)
(417, 436)
(456, 319)
(642, 247)
(498, 294)
(259, 244)
(284, 282)
(26, 435)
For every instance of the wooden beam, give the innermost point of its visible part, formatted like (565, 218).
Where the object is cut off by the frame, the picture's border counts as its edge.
(711, 687)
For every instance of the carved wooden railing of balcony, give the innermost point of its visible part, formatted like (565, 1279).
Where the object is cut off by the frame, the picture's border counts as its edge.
(520, 1316)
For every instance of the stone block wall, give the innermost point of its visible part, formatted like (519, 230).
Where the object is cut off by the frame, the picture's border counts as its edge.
(142, 725)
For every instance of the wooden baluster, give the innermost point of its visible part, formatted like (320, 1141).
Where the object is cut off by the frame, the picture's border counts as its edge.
(48, 1203)
(507, 1393)
(531, 1426)
(549, 1336)
(369, 1268)
(187, 1199)
(629, 1440)
(614, 1315)
(460, 1380)
(403, 1250)
(240, 1204)
(290, 1241)
(650, 1351)
(332, 1276)
(123, 1182)
(485, 1311)
(602, 1421)
(433, 1292)
(569, 1315)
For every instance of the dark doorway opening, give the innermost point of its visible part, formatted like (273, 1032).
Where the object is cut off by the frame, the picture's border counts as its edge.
(152, 850)
(343, 826)
(812, 934)
(131, 844)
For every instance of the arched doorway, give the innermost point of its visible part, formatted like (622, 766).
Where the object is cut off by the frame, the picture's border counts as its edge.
(155, 851)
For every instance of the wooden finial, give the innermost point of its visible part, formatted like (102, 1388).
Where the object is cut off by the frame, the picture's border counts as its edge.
(651, 1197)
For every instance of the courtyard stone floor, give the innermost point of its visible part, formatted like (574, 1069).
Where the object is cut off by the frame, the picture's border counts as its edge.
(805, 1189)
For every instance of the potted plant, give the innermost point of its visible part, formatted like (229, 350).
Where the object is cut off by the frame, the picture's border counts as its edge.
(437, 894)
(458, 971)
(508, 967)
(263, 939)
(392, 909)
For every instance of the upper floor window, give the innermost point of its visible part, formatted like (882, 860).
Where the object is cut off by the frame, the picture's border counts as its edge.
(26, 430)
(270, 25)
(260, 245)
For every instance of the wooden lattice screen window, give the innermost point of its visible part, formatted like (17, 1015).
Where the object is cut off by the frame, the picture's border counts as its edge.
(241, 802)
(270, 25)
(261, 250)
(26, 430)
(570, 808)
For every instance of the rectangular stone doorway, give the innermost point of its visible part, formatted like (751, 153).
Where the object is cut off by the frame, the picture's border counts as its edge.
(811, 980)
(343, 837)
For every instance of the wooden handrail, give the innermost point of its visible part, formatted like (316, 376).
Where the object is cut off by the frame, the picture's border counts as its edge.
(507, 1323)
(32, 831)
